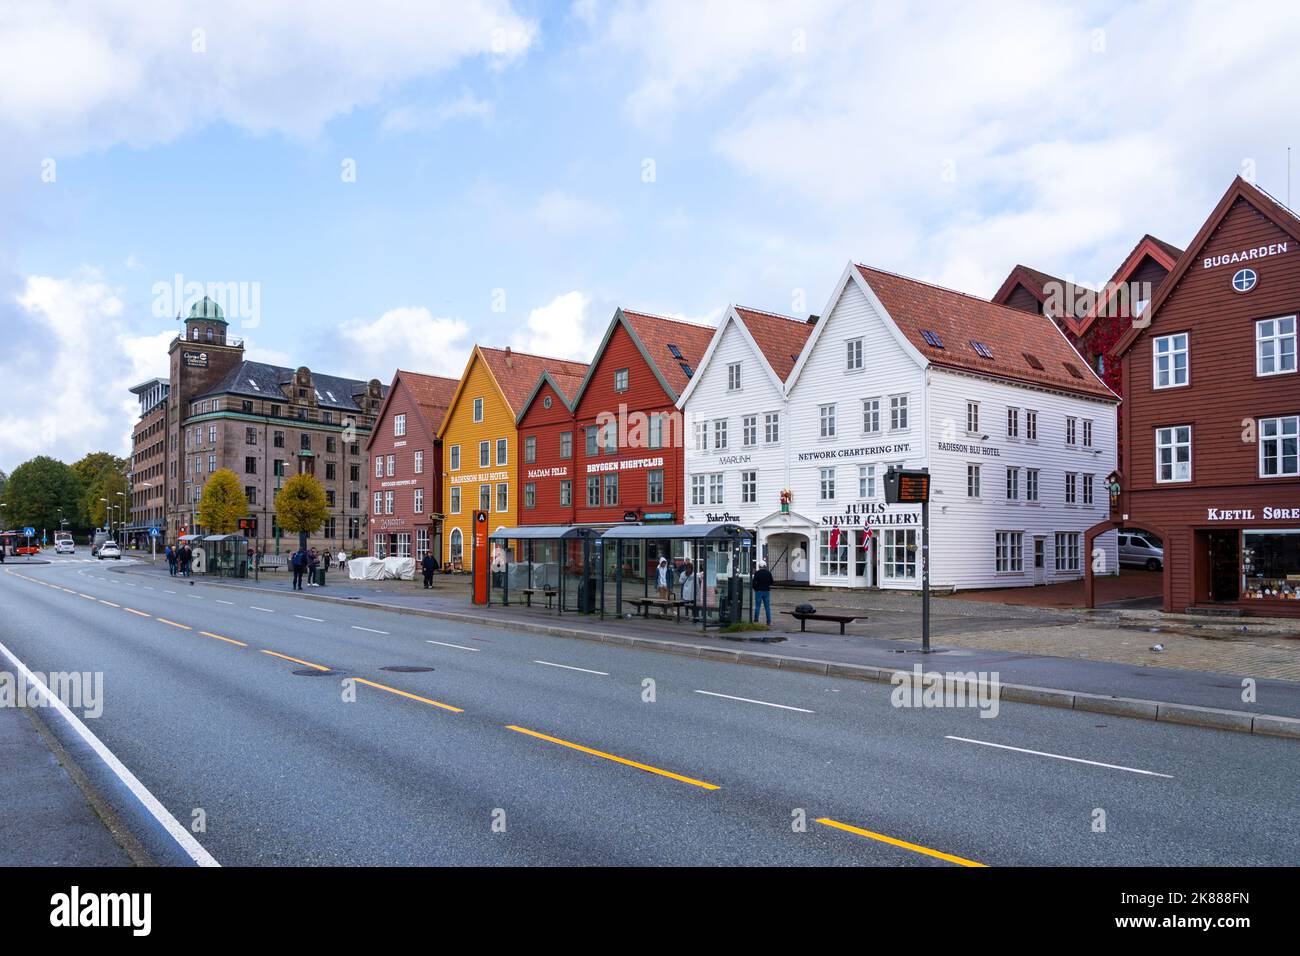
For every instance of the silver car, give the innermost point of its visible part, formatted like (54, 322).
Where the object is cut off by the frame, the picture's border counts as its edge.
(1137, 550)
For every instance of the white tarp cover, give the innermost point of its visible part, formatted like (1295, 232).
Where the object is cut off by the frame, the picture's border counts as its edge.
(403, 568)
(381, 569)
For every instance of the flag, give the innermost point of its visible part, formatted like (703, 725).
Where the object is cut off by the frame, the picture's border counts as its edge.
(835, 537)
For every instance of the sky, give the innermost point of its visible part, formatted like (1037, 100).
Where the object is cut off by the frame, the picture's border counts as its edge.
(381, 185)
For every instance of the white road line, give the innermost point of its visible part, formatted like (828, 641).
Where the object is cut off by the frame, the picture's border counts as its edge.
(568, 668)
(254, 607)
(231, 603)
(747, 700)
(194, 597)
(1039, 753)
(369, 629)
(165, 591)
(304, 617)
(193, 849)
(459, 647)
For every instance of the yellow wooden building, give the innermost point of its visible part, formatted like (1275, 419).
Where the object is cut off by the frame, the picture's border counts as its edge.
(480, 446)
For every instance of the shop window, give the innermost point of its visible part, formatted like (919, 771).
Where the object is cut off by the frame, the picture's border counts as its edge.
(1270, 565)
(833, 562)
(898, 554)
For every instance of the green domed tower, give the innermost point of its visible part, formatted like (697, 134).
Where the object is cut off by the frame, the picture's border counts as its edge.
(206, 323)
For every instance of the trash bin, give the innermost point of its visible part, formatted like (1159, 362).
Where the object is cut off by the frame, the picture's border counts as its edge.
(587, 596)
(320, 577)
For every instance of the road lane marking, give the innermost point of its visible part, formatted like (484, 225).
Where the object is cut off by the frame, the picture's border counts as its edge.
(193, 849)
(219, 601)
(132, 610)
(402, 693)
(319, 667)
(109, 603)
(165, 591)
(1039, 753)
(568, 668)
(228, 640)
(194, 597)
(748, 700)
(914, 847)
(304, 617)
(459, 647)
(147, 588)
(254, 607)
(629, 763)
(86, 596)
(370, 630)
(163, 620)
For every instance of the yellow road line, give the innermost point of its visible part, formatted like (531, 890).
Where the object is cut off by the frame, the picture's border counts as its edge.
(629, 763)
(296, 661)
(402, 693)
(163, 620)
(228, 640)
(914, 847)
(134, 611)
(109, 603)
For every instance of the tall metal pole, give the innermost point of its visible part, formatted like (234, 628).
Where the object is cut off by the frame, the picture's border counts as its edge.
(925, 576)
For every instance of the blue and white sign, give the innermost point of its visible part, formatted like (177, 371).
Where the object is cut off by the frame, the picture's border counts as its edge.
(29, 532)
(154, 533)
(1244, 280)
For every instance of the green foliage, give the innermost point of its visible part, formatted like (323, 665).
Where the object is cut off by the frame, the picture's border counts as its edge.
(36, 492)
(300, 506)
(223, 502)
(742, 626)
(102, 475)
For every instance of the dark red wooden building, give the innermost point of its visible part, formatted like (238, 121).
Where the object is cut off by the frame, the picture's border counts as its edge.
(1211, 414)
(405, 507)
(546, 457)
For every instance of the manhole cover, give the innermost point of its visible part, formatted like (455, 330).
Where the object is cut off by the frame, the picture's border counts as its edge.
(313, 673)
(406, 669)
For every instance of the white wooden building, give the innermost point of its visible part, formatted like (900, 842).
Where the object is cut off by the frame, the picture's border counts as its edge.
(1018, 433)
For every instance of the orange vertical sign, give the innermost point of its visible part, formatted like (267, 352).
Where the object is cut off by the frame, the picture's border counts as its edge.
(482, 563)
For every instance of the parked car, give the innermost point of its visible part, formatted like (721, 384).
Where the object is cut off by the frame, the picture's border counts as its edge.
(65, 546)
(1139, 551)
(109, 549)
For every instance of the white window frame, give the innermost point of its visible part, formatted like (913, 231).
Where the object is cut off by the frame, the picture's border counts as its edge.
(749, 431)
(748, 487)
(853, 352)
(826, 421)
(733, 377)
(871, 415)
(1279, 437)
(972, 418)
(867, 482)
(1277, 339)
(454, 455)
(399, 426)
(717, 488)
(973, 481)
(1009, 552)
(1013, 423)
(772, 428)
(478, 410)
(826, 484)
(1013, 483)
(898, 413)
(1169, 347)
(1067, 547)
(1173, 444)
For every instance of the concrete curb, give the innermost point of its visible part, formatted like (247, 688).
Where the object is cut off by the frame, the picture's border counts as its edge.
(1160, 711)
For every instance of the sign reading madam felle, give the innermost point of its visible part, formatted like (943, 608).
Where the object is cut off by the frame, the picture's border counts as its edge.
(871, 513)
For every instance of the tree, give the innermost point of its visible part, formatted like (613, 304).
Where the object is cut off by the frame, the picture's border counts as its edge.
(102, 475)
(300, 506)
(38, 491)
(223, 502)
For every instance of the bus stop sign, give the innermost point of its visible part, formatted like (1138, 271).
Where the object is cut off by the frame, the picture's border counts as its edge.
(907, 487)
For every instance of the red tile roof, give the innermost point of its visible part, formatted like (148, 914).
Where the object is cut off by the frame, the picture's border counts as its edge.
(657, 332)
(958, 320)
(779, 336)
(517, 373)
(433, 393)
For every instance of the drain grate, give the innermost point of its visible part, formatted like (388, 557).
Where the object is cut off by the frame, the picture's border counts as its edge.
(407, 669)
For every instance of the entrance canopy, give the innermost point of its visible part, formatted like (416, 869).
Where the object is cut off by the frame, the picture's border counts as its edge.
(675, 532)
(543, 532)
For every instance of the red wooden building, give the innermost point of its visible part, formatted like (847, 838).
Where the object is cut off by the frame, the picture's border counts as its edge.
(1211, 414)
(622, 461)
(405, 506)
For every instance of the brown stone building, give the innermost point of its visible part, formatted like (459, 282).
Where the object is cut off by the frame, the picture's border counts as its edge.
(265, 423)
(148, 474)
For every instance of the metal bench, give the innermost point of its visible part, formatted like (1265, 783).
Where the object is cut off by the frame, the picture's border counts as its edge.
(645, 604)
(840, 619)
(549, 593)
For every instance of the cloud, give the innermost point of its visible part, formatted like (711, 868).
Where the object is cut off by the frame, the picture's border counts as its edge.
(414, 119)
(408, 337)
(561, 329)
(69, 343)
(561, 212)
(149, 71)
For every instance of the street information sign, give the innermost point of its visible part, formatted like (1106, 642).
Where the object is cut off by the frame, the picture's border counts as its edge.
(913, 488)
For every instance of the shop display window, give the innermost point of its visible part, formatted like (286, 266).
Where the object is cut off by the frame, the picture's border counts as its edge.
(1270, 565)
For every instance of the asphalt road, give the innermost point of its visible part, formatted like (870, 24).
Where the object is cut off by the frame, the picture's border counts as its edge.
(236, 704)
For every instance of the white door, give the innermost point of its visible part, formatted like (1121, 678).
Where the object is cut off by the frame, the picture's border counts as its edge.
(1040, 559)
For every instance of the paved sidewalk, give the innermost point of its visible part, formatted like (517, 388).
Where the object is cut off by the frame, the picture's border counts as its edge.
(1091, 652)
(46, 819)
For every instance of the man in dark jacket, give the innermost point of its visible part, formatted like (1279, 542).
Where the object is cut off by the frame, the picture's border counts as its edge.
(428, 565)
(298, 561)
(763, 591)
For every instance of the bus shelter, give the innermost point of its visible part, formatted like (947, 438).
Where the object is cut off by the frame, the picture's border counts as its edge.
(708, 569)
(225, 555)
(555, 563)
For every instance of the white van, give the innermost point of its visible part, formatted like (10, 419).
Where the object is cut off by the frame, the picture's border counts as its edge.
(1137, 550)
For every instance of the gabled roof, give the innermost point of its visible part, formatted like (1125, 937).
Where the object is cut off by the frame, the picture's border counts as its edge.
(259, 380)
(1165, 253)
(780, 337)
(1273, 210)
(432, 396)
(565, 385)
(515, 375)
(1037, 283)
(655, 337)
(946, 327)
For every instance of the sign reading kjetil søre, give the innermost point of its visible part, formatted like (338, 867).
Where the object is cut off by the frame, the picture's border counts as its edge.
(1248, 514)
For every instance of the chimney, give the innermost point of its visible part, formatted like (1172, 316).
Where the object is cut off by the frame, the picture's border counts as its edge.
(510, 362)
(813, 319)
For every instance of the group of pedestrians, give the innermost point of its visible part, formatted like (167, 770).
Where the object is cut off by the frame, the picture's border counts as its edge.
(305, 563)
(180, 560)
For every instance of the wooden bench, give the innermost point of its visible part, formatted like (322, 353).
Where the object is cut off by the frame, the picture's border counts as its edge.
(840, 619)
(548, 593)
(272, 562)
(645, 604)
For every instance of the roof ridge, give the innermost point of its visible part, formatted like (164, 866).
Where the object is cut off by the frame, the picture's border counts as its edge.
(665, 318)
(515, 351)
(775, 315)
(1018, 313)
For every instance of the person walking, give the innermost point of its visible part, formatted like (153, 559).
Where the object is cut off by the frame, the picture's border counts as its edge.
(329, 556)
(428, 564)
(342, 561)
(185, 557)
(689, 581)
(170, 555)
(762, 584)
(313, 562)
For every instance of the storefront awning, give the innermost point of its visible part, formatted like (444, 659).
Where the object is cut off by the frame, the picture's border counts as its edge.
(672, 531)
(550, 532)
